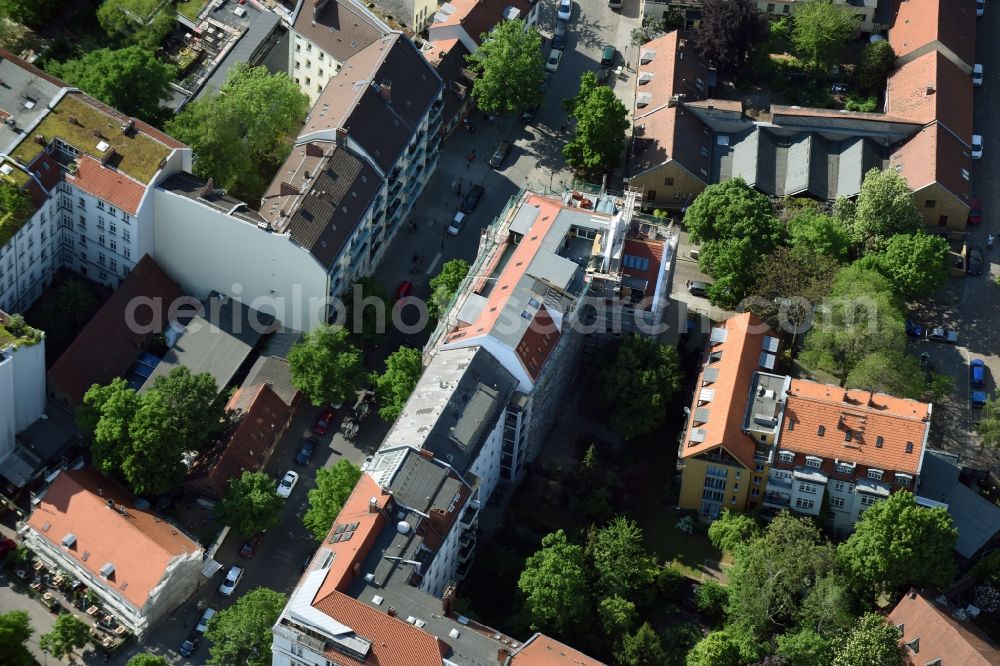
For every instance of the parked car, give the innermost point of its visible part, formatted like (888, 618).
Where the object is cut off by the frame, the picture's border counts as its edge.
(190, 645)
(975, 266)
(457, 223)
(402, 290)
(555, 57)
(472, 198)
(202, 626)
(250, 547)
(977, 74)
(914, 330)
(565, 12)
(943, 335)
(980, 7)
(287, 483)
(977, 373)
(975, 212)
(698, 288)
(977, 146)
(231, 580)
(366, 463)
(6, 545)
(499, 155)
(324, 421)
(608, 55)
(529, 114)
(309, 446)
(559, 36)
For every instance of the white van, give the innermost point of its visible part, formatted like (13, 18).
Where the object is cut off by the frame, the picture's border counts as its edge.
(457, 224)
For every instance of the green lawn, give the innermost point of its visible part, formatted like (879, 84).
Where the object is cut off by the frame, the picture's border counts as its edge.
(688, 552)
(190, 8)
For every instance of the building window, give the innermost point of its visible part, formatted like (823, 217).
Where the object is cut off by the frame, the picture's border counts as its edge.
(903, 479)
(845, 468)
(930, 203)
(100, 205)
(837, 502)
(668, 181)
(786, 457)
(807, 488)
(759, 467)
(83, 222)
(875, 474)
(879, 441)
(100, 240)
(838, 486)
(909, 447)
(298, 48)
(126, 218)
(712, 495)
(126, 236)
(638, 263)
(100, 258)
(114, 264)
(112, 229)
(802, 503)
(100, 222)
(717, 484)
(812, 461)
(83, 202)
(297, 65)
(867, 500)
(114, 246)
(755, 492)
(716, 471)
(650, 195)
(128, 253)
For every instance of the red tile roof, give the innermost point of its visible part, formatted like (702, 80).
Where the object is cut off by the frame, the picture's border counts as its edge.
(542, 650)
(921, 25)
(932, 88)
(140, 546)
(106, 347)
(261, 414)
(940, 636)
(393, 641)
(653, 254)
(738, 358)
(113, 186)
(935, 155)
(880, 425)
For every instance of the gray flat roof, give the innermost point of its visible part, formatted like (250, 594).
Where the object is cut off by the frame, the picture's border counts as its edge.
(246, 49)
(24, 99)
(976, 518)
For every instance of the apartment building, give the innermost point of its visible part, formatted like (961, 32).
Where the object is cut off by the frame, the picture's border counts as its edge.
(468, 21)
(140, 566)
(87, 169)
(761, 440)
(872, 15)
(22, 381)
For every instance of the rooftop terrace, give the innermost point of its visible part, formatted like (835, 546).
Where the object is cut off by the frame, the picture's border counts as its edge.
(15, 331)
(85, 127)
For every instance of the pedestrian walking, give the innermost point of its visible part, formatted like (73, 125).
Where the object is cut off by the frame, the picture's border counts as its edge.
(989, 242)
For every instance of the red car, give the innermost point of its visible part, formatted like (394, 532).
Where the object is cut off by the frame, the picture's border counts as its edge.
(975, 212)
(250, 547)
(324, 421)
(403, 290)
(6, 545)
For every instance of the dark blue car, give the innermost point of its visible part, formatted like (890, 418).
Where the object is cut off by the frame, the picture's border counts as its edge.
(305, 454)
(977, 373)
(914, 330)
(190, 646)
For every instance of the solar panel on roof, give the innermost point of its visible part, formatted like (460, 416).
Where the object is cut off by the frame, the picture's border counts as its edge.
(770, 344)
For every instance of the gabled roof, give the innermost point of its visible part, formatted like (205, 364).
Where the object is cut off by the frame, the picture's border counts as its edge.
(106, 346)
(976, 518)
(881, 427)
(932, 88)
(935, 155)
(476, 16)
(931, 633)
(340, 27)
(734, 352)
(112, 186)
(672, 134)
(138, 544)
(948, 25)
(542, 650)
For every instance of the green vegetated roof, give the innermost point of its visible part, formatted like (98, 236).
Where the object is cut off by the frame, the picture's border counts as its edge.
(28, 336)
(136, 154)
(10, 222)
(190, 8)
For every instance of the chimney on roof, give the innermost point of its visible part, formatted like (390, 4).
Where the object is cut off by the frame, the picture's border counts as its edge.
(913, 593)
(318, 6)
(847, 396)
(930, 89)
(288, 189)
(73, 121)
(97, 132)
(386, 90)
(373, 505)
(391, 612)
(209, 186)
(502, 655)
(871, 397)
(341, 136)
(448, 599)
(106, 157)
(357, 569)
(426, 454)
(100, 491)
(312, 150)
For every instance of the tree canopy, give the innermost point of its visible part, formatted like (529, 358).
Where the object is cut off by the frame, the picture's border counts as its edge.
(616, 616)
(718, 648)
(884, 208)
(820, 234)
(142, 22)
(333, 487)
(732, 530)
(916, 263)
(874, 640)
(601, 123)
(69, 633)
(368, 319)
(240, 134)
(325, 366)
(29, 12)
(241, 633)
(394, 386)
(508, 66)
(805, 647)
(132, 80)
(897, 544)
(639, 385)
(728, 32)
(643, 648)
(896, 373)
(877, 60)
(15, 630)
(554, 586)
(820, 29)
(620, 561)
(148, 659)
(988, 427)
(445, 285)
(251, 503)
(788, 284)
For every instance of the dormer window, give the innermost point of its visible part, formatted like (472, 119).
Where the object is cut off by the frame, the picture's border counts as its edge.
(786, 457)
(875, 474)
(813, 461)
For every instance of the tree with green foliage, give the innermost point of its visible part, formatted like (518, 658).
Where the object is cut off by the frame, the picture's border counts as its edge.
(148, 659)
(333, 486)
(642, 648)
(242, 133)
(394, 386)
(29, 12)
(367, 311)
(864, 316)
(916, 263)
(14, 202)
(773, 573)
(69, 633)
(874, 640)
(251, 504)
(820, 30)
(828, 607)
(62, 314)
(877, 60)
(554, 586)
(241, 633)
(638, 386)
(820, 234)
(445, 285)
(325, 366)
(731, 530)
(732, 262)
(15, 630)
(988, 427)
(599, 137)
(508, 66)
(132, 80)
(898, 544)
(884, 208)
(142, 22)
(616, 616)
(711, 599)
(788, 284)
(805, 647)
(671, 583)
(718, 648)
(728, 32)
(620, 561)
(896, 373)
(194, 402)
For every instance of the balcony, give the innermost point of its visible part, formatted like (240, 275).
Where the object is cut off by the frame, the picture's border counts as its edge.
(470, 515)
(463, 569)
(465, 555)
(777, 500)
(780, 483)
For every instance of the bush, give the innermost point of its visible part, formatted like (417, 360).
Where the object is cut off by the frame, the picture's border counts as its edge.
(671, 583)
(862, 104)
(711, 599)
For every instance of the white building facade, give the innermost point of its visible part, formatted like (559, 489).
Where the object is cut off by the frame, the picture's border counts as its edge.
(22, 386)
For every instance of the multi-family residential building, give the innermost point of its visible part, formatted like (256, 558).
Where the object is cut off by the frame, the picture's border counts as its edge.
(22, 381)
(381, 587)
(683, 139)
(872, 15)
(88, 170)
(324, 35)
(468, 21)
(935, 633)
(140, 566)
(760, 440)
